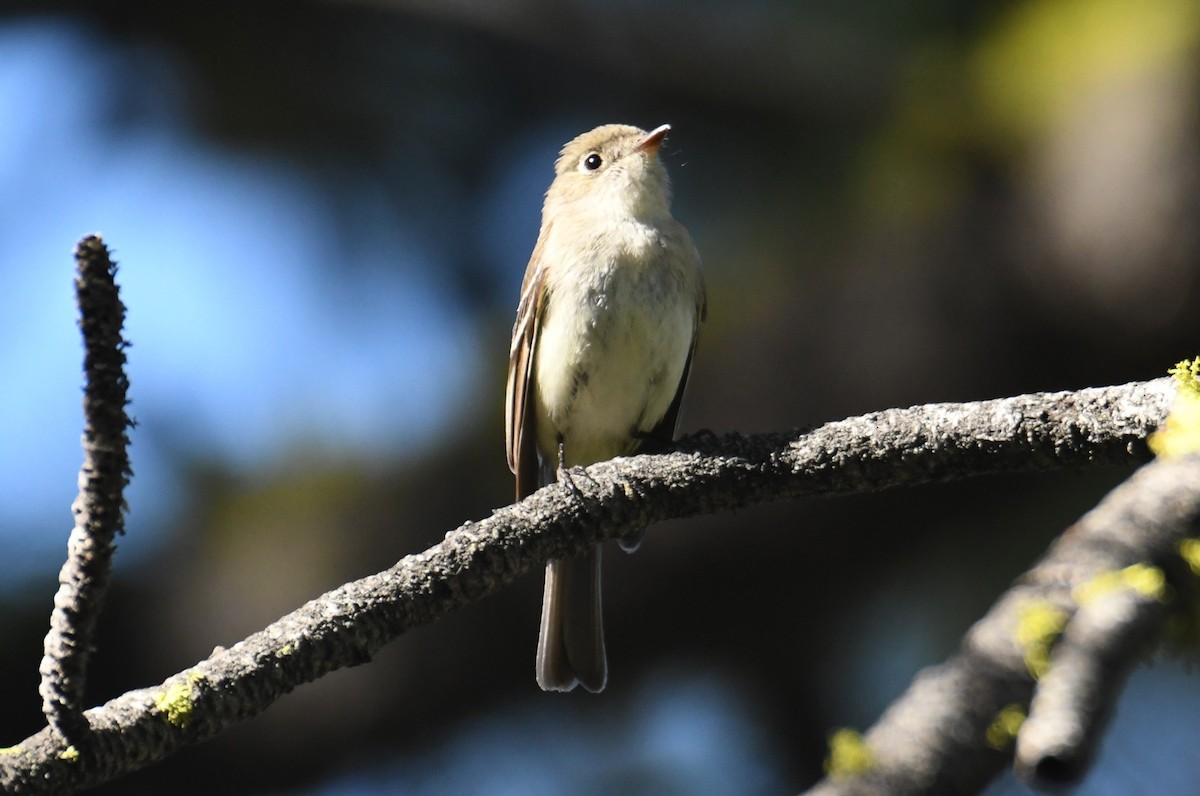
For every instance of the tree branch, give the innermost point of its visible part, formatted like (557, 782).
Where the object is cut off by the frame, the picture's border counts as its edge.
(346, 626)
(1123, 555)
(99, 507)
(1102, 576)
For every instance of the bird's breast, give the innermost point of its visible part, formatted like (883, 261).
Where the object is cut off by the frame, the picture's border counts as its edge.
(615, 332)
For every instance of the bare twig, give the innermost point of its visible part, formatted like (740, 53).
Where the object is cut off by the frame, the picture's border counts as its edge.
(935, 738)
(100, 505)
(348, 625)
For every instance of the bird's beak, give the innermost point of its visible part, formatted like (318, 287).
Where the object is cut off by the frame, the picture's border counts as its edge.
(653, 139)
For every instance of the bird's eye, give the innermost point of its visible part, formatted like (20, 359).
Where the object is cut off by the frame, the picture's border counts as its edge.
(593, 161)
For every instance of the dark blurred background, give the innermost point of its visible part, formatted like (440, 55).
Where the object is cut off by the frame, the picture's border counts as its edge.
(322, 212)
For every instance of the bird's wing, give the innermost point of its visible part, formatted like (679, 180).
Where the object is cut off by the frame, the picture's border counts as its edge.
(520, 434)
(664, 432)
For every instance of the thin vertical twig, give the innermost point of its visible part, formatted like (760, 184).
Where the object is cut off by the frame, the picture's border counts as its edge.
(99, 507)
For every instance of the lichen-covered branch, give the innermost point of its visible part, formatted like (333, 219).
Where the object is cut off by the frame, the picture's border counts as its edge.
(708, 473)
(1066, 636)
(1127, 575)
(99, 507)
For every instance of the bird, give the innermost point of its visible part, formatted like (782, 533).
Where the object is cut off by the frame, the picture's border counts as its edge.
(610, 307)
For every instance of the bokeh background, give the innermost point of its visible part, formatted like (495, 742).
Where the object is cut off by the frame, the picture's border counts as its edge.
(322, 212)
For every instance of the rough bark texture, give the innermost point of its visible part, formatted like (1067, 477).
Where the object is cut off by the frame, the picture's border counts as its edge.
(345, 627)
(934, 739)
(99, 508)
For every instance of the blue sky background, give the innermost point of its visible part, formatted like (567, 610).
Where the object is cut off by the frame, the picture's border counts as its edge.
(243, 345)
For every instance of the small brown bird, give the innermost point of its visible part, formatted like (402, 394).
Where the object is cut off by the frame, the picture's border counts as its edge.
(610, 307)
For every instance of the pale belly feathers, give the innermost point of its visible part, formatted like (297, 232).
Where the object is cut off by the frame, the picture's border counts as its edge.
(610, 369)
